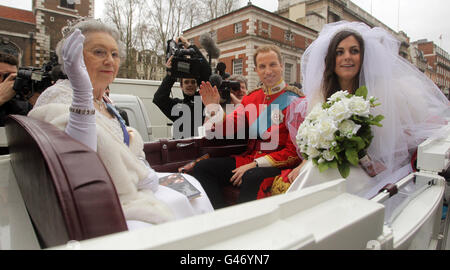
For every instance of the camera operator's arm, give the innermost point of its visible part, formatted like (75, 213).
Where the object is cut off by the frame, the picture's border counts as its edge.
(162, 97)
(6, 89)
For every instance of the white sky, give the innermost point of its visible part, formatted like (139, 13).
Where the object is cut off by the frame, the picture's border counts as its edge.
(417, 18)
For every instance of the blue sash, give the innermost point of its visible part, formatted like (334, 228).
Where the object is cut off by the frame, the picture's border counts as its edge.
(264, 121)
(126, 136)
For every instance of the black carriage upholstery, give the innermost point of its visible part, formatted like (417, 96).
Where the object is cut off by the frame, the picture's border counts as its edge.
(67, 191)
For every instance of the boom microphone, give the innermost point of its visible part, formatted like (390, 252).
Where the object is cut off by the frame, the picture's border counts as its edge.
(209, 45)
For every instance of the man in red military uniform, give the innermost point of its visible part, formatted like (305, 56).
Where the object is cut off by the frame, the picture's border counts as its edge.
(261, 115)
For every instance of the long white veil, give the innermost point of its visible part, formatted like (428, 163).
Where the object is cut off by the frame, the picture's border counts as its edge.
(412, 104)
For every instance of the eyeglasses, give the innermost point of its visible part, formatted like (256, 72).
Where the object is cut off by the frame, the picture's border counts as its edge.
(103, 54)
(186, 81)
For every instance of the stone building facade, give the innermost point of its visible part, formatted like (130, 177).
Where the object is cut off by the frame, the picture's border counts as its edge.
(17, 34)
(150, 65)
(439, 60)
(316, 13)
(420, 61)
(239, 33)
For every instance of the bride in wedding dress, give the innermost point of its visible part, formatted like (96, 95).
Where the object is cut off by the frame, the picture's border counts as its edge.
(347, 55)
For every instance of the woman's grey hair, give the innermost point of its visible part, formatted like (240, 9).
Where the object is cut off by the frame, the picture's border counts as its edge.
(89, 26)
(239, 78)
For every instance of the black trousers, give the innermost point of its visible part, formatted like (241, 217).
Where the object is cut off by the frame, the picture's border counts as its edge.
(215, 173)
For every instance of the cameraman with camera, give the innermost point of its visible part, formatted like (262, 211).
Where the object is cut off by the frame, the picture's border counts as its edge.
(185, 61)
(9, 103)
(236, 95)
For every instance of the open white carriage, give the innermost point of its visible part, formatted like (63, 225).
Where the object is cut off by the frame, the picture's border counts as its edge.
(48, 201)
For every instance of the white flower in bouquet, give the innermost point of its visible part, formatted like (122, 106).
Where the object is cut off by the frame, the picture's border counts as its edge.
(327, 155)
(359, 106)
(324, 143)
(314, 137)
(312, 152)
(336, 132)
(348, 127)
(340, 95)
(339, 110)
(327, 127)
(316, 113)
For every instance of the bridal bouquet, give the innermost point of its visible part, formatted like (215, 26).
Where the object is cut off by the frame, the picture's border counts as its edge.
(335, 134)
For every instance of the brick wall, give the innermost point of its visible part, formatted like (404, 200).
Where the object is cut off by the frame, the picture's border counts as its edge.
(17, 34)
(50, 18)
(259, 27)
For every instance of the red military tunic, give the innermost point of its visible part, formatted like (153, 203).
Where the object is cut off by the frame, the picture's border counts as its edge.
(283, 152)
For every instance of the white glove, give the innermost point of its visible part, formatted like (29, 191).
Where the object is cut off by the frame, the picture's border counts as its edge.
(151, 181)
(80, 127)
(76, 71)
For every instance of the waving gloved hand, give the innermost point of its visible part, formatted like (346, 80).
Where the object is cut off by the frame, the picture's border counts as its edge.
(75, 69)
(81, 127)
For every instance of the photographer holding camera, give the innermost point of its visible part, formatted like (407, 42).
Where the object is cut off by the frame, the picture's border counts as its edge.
(236, 95)
(9, 103)
(195, 68)
(231, 88)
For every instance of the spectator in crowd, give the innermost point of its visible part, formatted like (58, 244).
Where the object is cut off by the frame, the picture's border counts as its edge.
(9, 102)
(236, 96)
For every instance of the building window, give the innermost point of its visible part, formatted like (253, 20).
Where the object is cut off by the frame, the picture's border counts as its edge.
(238, 66)
(64, 4)
(238, 27)
(288, 72)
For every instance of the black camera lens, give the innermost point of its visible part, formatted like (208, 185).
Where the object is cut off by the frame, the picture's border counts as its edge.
(24, 73)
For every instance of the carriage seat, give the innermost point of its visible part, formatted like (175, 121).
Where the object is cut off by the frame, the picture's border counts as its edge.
(66, 189)
(168, 155)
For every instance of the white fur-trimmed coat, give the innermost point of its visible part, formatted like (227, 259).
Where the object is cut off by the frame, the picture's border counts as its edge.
(121, 161)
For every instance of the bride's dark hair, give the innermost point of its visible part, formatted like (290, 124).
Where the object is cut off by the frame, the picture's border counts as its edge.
(330, 83)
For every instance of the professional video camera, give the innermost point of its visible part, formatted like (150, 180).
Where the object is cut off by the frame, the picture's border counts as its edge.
(187, 63)
(30, 80)
(224, 86)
